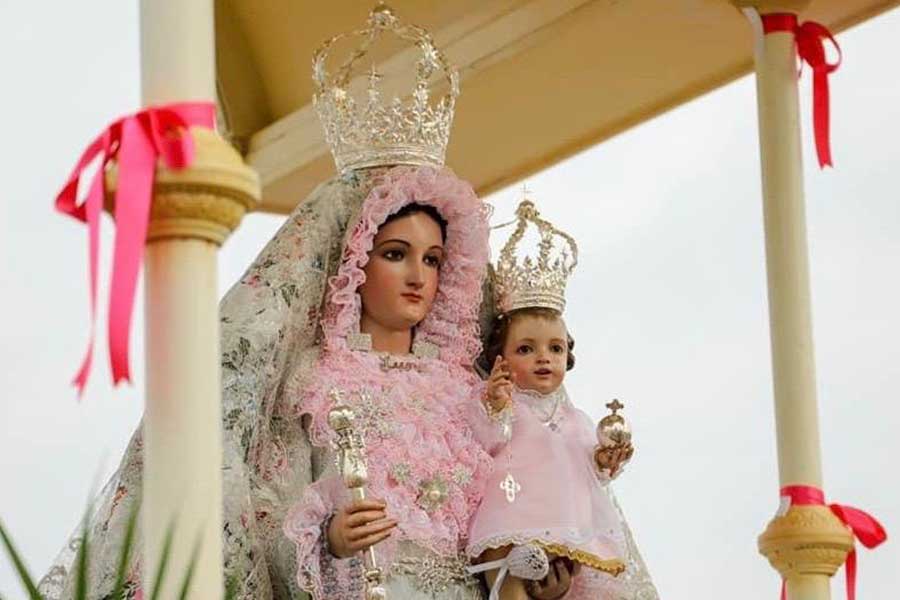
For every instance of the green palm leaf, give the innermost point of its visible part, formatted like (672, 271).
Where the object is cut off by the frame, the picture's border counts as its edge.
(26, 579)
(82, 564)
(163, 562)
(231, 587)
(124, 558)
(81, 576)
(186, 584)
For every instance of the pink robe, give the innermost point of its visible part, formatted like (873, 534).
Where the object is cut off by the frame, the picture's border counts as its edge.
(559, 497)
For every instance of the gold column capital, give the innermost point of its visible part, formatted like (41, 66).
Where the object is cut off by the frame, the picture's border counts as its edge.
(807, 540)
(773, 6)
(206, 200)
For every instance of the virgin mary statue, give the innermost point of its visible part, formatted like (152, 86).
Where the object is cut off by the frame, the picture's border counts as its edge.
(296, 329)
(368, 295)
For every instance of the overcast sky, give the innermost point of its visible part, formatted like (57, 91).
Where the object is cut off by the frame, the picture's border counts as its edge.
(668, 306)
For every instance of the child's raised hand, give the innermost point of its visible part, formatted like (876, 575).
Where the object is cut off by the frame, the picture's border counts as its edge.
(498, 393)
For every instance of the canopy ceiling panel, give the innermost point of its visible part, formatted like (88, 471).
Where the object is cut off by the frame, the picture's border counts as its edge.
(541, 79)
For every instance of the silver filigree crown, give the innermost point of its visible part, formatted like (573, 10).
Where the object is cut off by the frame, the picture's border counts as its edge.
(369, 132)
(534, 281)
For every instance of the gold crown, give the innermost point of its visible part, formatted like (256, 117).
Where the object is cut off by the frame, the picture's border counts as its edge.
(369, 132)
(534, 282)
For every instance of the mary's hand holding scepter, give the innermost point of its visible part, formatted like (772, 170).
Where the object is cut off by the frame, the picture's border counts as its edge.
(363, 523)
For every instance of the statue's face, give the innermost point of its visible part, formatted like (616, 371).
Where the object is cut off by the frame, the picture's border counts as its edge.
(536, 351)
(402, 273)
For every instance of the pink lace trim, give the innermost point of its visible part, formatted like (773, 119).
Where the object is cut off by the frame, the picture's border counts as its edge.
(322, 575)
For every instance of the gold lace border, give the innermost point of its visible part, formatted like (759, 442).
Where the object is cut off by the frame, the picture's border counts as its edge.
(613, 566)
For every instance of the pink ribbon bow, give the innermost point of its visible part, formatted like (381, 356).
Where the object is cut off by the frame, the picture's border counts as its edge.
(864, 526)
(134, 142)
(811, 38)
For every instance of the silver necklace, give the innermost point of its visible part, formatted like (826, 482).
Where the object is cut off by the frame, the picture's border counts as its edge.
(551, 419)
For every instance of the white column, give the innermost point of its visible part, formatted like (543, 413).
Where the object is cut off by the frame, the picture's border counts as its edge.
(178, 59)
(807, 544)
(182, 420)
(790, 318)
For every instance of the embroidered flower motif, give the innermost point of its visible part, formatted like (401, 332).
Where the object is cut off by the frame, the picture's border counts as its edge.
(461, 475)
(253, 281)
(373, 415)
(433, 575)
(415, 403)
(432, 493)
(401, 472)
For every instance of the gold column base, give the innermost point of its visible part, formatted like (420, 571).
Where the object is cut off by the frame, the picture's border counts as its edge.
(205, 201)
(808, 540)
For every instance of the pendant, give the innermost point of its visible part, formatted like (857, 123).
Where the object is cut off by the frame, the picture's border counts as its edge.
(511, 487)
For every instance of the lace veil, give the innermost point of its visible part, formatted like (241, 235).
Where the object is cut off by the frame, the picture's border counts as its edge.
(270, 333)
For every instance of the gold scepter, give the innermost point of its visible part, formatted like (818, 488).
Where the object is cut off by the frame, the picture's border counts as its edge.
(352, 464)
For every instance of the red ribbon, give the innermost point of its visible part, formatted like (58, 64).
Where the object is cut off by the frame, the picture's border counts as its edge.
(135, 142)
(811, 38)
(864, 526)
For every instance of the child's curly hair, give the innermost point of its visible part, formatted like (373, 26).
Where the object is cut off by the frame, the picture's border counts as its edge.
(500, 331)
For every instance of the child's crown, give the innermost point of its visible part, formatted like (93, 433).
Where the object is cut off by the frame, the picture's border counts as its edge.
(534, 282)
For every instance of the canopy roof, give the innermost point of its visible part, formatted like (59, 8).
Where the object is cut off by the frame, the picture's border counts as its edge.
(541, 79)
